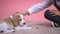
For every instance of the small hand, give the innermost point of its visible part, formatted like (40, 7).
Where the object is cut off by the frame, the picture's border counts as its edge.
(55, 12)
(25, 13)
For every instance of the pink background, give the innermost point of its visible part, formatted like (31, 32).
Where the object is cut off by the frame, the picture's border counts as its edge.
(8, 7)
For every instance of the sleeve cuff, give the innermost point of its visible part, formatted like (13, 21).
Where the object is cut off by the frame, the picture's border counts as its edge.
(30, 11)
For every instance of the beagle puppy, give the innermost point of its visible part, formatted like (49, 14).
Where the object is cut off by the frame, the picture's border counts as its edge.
(12, 23)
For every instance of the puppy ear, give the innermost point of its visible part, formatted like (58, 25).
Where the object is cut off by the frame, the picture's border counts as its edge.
(11, 16)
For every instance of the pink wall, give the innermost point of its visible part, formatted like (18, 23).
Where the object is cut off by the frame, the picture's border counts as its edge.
(8, 7)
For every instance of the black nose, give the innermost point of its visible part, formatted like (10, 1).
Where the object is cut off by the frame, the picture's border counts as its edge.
(24, 23)
(1, 31)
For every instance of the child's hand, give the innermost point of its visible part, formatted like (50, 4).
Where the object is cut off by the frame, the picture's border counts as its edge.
(25, 13)
(55, 12)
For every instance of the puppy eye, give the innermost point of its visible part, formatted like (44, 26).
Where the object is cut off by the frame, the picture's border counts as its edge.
(20, 19)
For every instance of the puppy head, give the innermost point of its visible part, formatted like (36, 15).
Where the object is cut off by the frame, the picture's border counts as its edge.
(18, 19)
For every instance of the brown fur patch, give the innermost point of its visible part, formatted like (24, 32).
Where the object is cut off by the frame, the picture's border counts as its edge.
(8, 21)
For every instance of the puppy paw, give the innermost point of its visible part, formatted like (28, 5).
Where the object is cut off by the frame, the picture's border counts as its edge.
(8, 31)
(17, 28)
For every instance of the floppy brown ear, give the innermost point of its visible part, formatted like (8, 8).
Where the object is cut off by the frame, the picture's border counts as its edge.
(13, 15)
(16, 20)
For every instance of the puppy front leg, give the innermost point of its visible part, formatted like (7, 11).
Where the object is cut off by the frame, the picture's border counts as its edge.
(3, 28)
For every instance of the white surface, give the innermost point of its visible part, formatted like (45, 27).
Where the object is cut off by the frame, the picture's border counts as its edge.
(23, 27)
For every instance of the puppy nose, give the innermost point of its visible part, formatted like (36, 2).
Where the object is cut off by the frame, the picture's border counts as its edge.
(24, 23)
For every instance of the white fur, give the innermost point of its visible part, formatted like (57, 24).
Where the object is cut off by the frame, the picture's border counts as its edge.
(17, 28)
(4, 27)
(23, 21)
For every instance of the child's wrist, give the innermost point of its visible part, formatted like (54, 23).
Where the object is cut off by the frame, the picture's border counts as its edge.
(26, 13)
